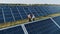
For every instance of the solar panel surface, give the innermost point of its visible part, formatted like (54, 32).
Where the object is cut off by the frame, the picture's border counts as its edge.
(14, 13)
(14, 30)
(42, 27)
(57, 19)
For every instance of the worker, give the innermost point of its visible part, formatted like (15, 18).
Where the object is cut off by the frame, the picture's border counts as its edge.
(33, 17)
(29, 17)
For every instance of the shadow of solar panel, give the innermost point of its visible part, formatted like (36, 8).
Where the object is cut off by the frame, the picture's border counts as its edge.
(42, 27)
(14, 30)
(57, 19)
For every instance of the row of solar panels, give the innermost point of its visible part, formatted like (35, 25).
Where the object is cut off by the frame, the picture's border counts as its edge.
(14, 13)
(40, 27)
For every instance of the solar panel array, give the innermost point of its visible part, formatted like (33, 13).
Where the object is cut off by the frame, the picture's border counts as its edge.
(14, 13)
(40, 27)
(15, 30)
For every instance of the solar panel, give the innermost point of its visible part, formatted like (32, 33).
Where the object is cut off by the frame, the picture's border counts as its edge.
(57, 19)
(38, 11)
(15, 13)
(42, 27)
(14, 30)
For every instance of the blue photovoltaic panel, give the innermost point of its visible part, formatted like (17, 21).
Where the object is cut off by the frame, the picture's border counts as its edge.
(42, 27)
(1, 16)
(57, 19)
(14, 30)
(38, 11)
(14, 13)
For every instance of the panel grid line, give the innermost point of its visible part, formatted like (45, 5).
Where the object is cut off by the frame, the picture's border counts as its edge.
(3, 15)
(19, 13)
(24, 28)
(46, 10)
(42, 10)
(12, 14)
(25, 11)
(36, 11)
(55, 22)
(39, 11)
(30, 11)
